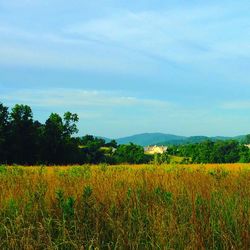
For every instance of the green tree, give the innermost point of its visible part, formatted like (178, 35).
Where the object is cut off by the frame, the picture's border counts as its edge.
(112, 144)
(226, 152)
(70, 126)
(53, 139)
(59, 147)
(244, 154)
(70, 145)
(91, 149)
(161, 158)
(247, 139)
(130, 153)
(22, 144)
(4, 128)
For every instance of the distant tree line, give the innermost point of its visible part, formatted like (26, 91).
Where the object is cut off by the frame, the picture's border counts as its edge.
(24, 140)
(229, 151)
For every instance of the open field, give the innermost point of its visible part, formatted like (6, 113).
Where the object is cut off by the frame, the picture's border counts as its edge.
(125, 207)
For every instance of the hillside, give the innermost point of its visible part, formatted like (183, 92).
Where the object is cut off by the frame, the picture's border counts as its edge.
(146, 139)
(149, 138)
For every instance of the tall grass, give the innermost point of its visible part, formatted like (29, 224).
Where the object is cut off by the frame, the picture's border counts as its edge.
(125, 207)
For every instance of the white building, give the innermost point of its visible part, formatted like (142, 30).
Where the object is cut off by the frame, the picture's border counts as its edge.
(155, 149)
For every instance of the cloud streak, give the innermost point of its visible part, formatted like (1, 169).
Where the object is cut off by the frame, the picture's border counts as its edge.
(79, 98)
(113, 114)
(179, 35)
(134, 41)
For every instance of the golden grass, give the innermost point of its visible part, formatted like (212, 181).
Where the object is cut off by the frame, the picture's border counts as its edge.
(125, 207)
(210, 166)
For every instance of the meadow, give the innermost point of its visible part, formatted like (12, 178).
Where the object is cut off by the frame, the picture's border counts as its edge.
(125, 207)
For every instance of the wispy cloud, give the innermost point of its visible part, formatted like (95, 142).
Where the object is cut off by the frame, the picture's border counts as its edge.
(182, 35)
(98, 110)
(114, 114)
(101, 111)
(134, 41)
(57, 50)
(79, 98)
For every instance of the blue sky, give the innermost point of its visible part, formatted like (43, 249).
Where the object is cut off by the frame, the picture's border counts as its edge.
(127, 67)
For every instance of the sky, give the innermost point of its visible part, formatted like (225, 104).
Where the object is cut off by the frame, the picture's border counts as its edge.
(127, 67)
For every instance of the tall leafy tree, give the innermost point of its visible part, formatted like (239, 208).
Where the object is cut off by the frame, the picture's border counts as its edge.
(53, 139)
(4, 128)
(58, 145)
(23, 135)
(70, 126)
(70, 149)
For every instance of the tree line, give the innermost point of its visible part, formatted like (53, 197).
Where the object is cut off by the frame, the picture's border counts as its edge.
(24, 140)
(229, 151)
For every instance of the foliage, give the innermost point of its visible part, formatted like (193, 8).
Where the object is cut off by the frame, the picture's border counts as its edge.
(130, 153)
(247, 139)
(24, 140)
(161, 158)
(213, 152)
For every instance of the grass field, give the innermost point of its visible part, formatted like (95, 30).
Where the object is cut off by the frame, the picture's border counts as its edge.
(125, 207)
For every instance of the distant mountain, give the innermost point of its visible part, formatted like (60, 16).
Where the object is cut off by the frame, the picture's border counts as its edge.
(146, 139)
(149, 138)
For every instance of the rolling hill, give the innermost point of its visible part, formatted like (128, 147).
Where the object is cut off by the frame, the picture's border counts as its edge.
(146, 139)
(149, 138)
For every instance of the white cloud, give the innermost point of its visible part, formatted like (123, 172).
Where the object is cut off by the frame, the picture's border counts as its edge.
(56, 50)
(133, 41)
(101, 112)
(79, 98)
(181, 35)
(21, 55)
(114, 114)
